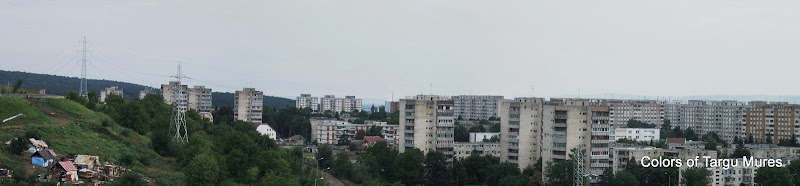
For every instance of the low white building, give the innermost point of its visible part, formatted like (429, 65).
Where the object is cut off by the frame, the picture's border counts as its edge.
(637, 134)
(463, 150)
(265, 129)
(110, 90)
(475, 137)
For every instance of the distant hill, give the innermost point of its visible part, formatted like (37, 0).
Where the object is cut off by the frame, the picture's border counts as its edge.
(226, 99)
(59, 85)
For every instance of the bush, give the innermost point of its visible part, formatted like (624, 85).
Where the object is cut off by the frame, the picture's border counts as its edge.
(17, 145)
(126, 132)
(32, 134)
(127, 159)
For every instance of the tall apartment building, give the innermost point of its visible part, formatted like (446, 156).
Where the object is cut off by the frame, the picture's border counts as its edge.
(346, 104)
(725, 118)
(521, 130)
(427, 123)
(200, 99)
(248, 105)
(532, 128)
(110, 90)
(351, 103)
(392, 106)
(476, 106)
(306, 101)
(621, 111)
(776, 121)
(176, 93)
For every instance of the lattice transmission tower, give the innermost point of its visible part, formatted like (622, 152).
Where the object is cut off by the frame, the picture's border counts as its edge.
(179, 99)
(83, 90)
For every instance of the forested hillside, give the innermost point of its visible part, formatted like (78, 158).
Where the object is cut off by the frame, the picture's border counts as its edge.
(59, 85)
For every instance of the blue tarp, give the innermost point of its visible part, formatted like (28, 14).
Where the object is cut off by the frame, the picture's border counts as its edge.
(38, 161)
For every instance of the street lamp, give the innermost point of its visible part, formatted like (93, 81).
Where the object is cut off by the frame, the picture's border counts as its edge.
(315, 180)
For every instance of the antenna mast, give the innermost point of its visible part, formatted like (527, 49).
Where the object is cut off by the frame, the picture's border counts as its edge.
(83, 91)
(179, 99)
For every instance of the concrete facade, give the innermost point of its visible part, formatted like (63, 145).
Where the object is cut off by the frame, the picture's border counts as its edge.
(621, 111)
(200, 99)
(176, 93)
(427, 123)
(462, 150)
(306, 101)
(475, 137)
(775, 121)
(110, 90)
(475, 106)
(637, 134)
(248, 105)
(326, 131)
(726, 118)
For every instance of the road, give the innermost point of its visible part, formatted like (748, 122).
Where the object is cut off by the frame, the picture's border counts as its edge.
(332, 181)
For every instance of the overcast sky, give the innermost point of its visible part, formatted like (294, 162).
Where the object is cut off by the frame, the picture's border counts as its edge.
(372, 49)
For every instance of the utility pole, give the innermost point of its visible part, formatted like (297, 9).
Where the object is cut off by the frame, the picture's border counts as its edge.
(179, 117)
(83, 91)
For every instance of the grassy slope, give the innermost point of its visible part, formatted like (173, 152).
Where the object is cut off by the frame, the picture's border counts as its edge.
(70, 128)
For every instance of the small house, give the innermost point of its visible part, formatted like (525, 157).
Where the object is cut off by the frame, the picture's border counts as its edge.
(66, 171)
(36, 145)
(42, 158)
(295, 140)
(370, 140)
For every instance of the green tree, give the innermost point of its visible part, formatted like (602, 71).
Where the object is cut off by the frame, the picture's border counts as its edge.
(92, 100)
(625, 178)
(18, 145)
(493, 139)
(461, 134)
(458, 172)
(360, 134)
(375, 131)
(495, 128)
(499, 171)
(477, 128)
(559, 172)
(203, 170)
(344, 139)
(17, 86)
(779, 176)
(476, 169)
(740, 151)
(519, 180)
(436, 168)
(695, 176)
(381, 158)
(324, 156)
(129, 179)
(632, 123)
(607, 177)
(689, 134)
(794, 169)
(342, 167)
(409, 167)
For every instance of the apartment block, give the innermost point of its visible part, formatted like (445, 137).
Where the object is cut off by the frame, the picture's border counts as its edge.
(427, 123)
(346, 104)
(248, 105)
(177, 94)
(521, 130)
(392, 106)
(110, 90)
(200, 99)
(475, 106)
(330, 131)
(637, 134)
(306, 101)
(145, 92)
(775, 121)
(621, 111)
(462, 150)
(531, 128)
(726, 118)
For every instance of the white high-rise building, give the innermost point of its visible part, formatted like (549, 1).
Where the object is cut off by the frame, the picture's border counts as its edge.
(200, 99)
(346, 104)
(476, 106)
(248, 105)
(427, 123)
(181, 98)
(110, 90)
(351, 103)
(725, 118)
(621, 111)
(306, 101)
